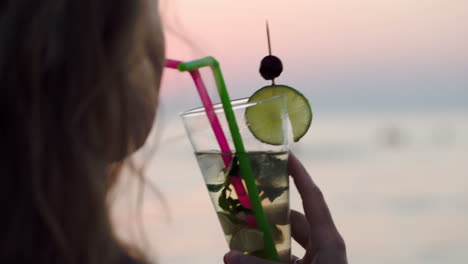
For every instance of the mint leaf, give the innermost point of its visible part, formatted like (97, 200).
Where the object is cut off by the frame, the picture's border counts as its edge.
(234, 169)
(239, 208)
(222, 201)
(271, 192)
(215, 187)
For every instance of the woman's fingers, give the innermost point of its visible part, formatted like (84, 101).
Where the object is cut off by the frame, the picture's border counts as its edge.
(326, 244)
(235, 257)
(315, 207)
(300, 230)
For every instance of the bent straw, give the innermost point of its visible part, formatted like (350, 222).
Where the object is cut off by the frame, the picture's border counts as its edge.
(221, 138)
(241, 154)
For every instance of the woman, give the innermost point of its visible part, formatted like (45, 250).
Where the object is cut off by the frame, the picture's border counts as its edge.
(79, 84)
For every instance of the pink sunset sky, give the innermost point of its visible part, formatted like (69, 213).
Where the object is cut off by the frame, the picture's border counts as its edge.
(389, 176)
(354, 46)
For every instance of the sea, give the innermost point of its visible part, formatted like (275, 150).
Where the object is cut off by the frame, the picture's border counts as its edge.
(396, 183)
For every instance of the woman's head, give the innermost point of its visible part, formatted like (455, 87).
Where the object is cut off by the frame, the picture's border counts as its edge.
(78, 83)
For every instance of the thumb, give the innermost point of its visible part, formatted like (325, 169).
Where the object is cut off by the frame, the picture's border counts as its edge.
(235, 257)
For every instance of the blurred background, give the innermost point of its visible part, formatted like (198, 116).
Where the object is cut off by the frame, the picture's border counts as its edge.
(388, 84)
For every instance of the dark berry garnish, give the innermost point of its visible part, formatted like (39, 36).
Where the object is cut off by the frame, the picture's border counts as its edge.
(271, 67)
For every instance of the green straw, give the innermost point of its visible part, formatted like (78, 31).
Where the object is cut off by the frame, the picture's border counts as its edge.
(244, 162)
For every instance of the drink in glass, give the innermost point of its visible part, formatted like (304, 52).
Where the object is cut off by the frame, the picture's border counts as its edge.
(220, 170)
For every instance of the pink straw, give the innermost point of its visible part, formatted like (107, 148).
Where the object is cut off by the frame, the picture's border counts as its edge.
(220, 136)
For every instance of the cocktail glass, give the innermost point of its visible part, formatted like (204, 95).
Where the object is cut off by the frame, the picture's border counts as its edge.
(269, 167)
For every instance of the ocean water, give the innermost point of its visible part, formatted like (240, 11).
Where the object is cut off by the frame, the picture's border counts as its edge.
(396, 183)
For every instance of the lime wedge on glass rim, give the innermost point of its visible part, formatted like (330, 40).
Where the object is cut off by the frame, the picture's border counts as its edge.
(265, 122)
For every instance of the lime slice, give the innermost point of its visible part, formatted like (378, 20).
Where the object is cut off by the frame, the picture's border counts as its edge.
(265, 122)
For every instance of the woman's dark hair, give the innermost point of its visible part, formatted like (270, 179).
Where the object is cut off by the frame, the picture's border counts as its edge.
(78, 91)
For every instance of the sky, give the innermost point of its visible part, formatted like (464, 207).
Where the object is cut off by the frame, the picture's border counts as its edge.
(395, 56)
(353, 54)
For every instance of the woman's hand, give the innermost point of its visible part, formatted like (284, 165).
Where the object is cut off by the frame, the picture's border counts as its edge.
(315, 231)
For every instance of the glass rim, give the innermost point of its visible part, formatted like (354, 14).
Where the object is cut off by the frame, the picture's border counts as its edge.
(218, 108)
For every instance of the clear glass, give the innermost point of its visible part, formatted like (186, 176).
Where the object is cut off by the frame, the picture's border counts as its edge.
(269, 165)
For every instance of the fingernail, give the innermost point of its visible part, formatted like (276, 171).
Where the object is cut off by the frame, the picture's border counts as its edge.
(233, 257)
